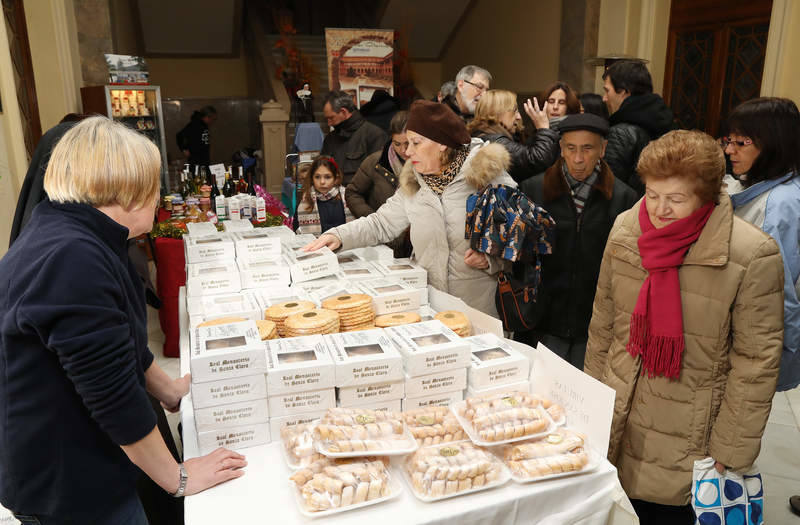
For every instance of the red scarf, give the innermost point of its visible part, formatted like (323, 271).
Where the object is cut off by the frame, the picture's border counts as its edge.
(656, 331)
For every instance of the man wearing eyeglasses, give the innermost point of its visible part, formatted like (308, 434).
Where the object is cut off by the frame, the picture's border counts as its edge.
(471, 83)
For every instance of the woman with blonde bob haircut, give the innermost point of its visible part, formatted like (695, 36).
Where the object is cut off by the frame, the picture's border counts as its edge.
(497, 119)
(687, 328)
(76, 369)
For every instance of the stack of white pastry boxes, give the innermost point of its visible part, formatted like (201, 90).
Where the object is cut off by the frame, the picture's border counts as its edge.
(435, 362)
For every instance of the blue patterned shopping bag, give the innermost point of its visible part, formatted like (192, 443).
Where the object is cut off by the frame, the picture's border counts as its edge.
(730, 498)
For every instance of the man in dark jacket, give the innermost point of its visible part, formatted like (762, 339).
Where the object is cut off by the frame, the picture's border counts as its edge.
(583, 196)
(471, 83)
(352, 138)
(193, 139)
(637, 116)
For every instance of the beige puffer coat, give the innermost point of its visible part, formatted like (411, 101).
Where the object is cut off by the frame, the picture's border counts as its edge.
(732, 300)
(438, 225)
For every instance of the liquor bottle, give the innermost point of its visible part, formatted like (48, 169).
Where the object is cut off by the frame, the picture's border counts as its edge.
(212, 181)
(241, 184)
(228, 189)
(197, 181)
(251, 189)
(183, 187)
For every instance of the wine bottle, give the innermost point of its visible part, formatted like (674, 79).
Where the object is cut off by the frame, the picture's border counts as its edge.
(241, 184)
(228, 189)
(251, 189)
(212, 181)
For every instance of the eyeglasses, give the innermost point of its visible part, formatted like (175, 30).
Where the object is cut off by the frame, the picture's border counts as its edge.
(727, 141)
(479, 87)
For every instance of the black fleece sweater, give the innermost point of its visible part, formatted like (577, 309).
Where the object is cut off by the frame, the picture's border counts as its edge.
(73, 353)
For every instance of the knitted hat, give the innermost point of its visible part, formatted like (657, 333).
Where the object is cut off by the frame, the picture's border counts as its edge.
(584, 121)
(437, 122)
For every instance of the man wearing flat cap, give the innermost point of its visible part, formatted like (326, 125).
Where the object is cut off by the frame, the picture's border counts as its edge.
(583, 196)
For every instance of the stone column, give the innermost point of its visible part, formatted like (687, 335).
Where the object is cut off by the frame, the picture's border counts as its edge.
(273, 129)
(579, 29)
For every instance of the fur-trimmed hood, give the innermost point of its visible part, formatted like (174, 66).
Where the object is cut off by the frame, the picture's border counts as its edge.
(486, 162)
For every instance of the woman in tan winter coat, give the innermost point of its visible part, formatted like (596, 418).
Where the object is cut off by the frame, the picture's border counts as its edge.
(445, 167)
(687, 328)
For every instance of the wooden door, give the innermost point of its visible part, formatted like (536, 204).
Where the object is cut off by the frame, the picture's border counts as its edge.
(715, 59)
(14, 17)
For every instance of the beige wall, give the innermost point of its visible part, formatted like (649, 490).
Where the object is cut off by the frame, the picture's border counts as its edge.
(201, 77)
(427, 77)
(56, 62)
(781, 75)
(516, 40)
(637, 28)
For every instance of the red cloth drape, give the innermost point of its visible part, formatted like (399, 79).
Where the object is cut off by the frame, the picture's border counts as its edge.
(171, 275)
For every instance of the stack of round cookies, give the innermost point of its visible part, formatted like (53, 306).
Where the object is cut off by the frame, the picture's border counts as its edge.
(455, 321)
(267, 330)
(355, 311)
(387, 320)
(313, 322)
(280, 311)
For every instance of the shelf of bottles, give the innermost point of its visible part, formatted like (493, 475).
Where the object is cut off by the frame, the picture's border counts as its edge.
(198, 193)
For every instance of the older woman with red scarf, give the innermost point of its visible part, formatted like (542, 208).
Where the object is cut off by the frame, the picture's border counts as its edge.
(687, 328)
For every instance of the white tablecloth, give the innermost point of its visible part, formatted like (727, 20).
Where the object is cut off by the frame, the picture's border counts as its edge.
(263, 494)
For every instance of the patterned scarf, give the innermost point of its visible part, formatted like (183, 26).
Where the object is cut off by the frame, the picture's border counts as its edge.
(437, 183)
(581, 189)
(328, 195)
(395, 161)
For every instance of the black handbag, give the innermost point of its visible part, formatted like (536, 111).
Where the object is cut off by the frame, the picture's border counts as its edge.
(518, 303)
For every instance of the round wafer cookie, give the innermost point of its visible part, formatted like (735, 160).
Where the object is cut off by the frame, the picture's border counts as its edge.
(222, 320)
(455, 321)
(311, 321)
(287, 308)
(292, 330)
(346, 301)
(356, 319)
(398, 319)
(358, 328)
(366, 309)
(267, 329)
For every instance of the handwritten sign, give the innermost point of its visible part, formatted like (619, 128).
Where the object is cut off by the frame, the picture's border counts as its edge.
(589, 404)
(219, 173)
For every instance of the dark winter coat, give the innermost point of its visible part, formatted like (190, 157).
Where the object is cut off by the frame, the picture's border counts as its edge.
(569, 274)
(73, 356)
(380, 109)
(351, 141)
(194, 137)
(451, 102)
(639, 119)
(526, 160)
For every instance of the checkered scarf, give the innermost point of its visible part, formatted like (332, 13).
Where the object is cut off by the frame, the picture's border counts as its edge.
(580, 189)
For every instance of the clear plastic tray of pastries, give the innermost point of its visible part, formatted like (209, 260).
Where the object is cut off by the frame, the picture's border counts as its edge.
(298, 445)
(452, 469)
(352, 432)
(495, 419)
(560, 453)
(328, 486)
(434, 426)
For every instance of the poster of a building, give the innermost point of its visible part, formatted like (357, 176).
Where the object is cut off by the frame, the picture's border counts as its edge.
(360, 61)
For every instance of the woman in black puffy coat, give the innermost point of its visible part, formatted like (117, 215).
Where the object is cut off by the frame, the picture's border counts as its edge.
(497, 119)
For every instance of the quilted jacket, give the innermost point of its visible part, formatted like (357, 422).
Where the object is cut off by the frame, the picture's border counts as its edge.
(437, 225)
(732, 299)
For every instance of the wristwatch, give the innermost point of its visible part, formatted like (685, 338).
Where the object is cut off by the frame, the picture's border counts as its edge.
(182, 485)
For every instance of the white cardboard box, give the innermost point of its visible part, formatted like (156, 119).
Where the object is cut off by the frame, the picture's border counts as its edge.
(405, 269)
(307, 266)
(427, 313)
(276, 424)
(300, 240)
(298, 364)
(312, 286)
(234, 438)
(282, 232)
(227, 350)
(393, 405)
(302, 402)
(264, 274)
(371, 393)
(364, 357)
(442, 399)
(522, 386)
(434, 384)
(266, 297)
(372, 253)
(481, 323)
(348, 256)
(340, 287)
(201, 229)
(494, 362)
(429, 347)
(215, 277)
(209, 307)
(392, 295)
(231, 415)
(237, 225)
(216, 247)
(358, 271)
(257, 246)
(234, 390)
